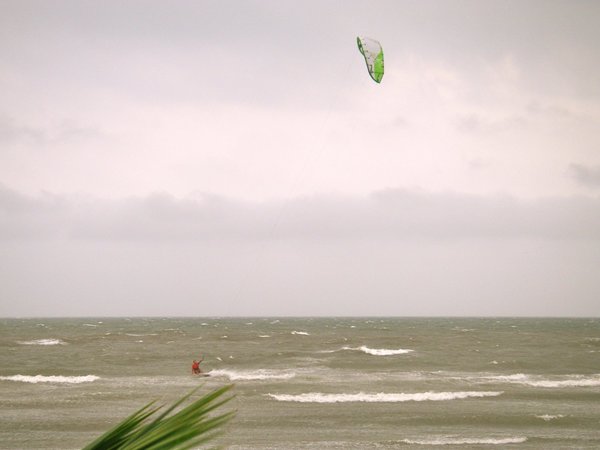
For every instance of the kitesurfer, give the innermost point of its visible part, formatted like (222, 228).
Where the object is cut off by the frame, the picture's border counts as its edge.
(196, 367)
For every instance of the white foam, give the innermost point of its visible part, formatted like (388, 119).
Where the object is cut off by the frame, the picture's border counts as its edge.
(465, 441)
(301, 333)
(549, 417)
(264, 336)
(565, 383)
(530, 380)
(249, 375)
(43, 342)
(381, 397)
(515, 378)
(380, 351)
(139, 335)
(89, 325)
(59, 379)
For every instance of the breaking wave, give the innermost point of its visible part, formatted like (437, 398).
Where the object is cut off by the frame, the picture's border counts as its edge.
(248, 375)
(138, 335)
(535, 381)
(43, 342)
(58, 379)
(549, 417)
(379, 351)
(465, 441)
(301, 333)
(381, 397)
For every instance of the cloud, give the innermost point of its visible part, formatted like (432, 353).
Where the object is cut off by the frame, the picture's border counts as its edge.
(383, 215)
(588, 176)
(11, 131)
(476, 124)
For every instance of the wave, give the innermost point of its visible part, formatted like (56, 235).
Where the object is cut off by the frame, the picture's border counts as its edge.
(381, 397)
(565, 383)
(42, 342)
(380, 351)
(465, 441)
(249, 375)
(549, 417)
(138, 335)
(302, 333)
(59, 379)
(536, 381)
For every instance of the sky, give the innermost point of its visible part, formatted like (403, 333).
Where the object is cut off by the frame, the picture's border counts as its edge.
(233, 158)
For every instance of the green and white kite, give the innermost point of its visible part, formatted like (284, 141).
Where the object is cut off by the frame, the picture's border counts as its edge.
(373, 53)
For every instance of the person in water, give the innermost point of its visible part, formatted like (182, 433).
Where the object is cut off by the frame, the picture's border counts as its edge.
(196, 367)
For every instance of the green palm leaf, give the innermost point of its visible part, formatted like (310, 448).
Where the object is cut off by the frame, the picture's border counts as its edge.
(189, 427)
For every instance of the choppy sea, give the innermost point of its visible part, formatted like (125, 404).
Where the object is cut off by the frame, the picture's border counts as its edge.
(310, 383)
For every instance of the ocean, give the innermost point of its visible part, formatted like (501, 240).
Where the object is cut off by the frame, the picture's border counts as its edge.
(310, 383)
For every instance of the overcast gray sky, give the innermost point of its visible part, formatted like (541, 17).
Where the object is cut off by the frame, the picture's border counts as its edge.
(234, 158)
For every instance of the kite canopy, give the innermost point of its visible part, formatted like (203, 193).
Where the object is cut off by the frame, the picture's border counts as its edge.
(373, 53)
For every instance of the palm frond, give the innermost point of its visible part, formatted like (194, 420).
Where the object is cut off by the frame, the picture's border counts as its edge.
(189, 427)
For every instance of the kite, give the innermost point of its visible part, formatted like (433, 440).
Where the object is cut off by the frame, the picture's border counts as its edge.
(373, 53)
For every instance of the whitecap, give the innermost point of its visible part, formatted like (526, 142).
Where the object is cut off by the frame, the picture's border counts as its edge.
(514, 378)
(549, 417)
(301, 333)
(140, 335)
(43, 342)
(465, 441)
(264, 336)
(90, 325)
(59, 379)
(381, 397)
(380, 351)
(565, 383)
(534, 381)
(250, 375)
